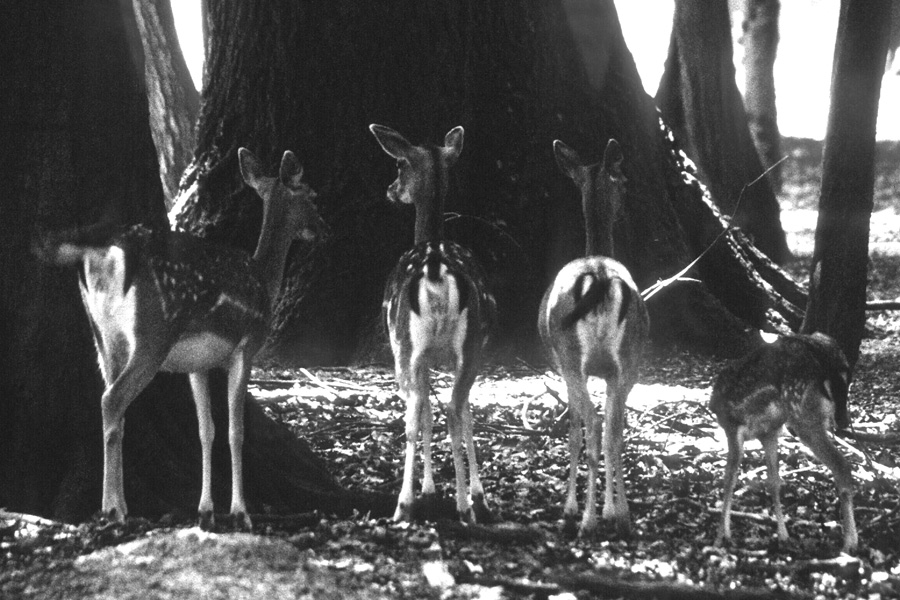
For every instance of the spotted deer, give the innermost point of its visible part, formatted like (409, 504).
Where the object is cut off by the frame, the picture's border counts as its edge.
(593, 322)
(795, 381)
(171, 301)
(438, 311)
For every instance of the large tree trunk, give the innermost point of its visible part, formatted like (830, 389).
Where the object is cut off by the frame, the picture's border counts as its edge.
(760, 40)
(517, 76)
(76, 114)
(311, 77)
(174, 101)
(699, 99)
(837, 299)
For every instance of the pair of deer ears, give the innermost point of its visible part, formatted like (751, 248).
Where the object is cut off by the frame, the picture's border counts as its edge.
(290, 173)
(399, 148)
(571, 164)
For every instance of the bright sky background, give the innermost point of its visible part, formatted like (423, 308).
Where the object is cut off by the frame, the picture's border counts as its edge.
(802, 69)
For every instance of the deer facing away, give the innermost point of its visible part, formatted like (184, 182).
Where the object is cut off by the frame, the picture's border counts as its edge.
(171, 301)
(437, 311)
(593, 322)
(794, 381)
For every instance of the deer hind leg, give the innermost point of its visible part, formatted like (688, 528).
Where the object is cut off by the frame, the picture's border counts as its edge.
(414, 388)
(814, 435)
(238, 374)
(133, 378)
(615, 505)
(577, 392)
(732, 469)
(770, 446)
(200, 389)
(459, 419)
(581, 411)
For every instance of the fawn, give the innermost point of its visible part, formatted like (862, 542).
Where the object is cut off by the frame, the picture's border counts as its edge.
(795, 381)
(593, 322)
(438, 311)
(171, 301)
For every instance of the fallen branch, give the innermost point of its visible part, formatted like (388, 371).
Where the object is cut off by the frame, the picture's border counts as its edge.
(17, 517)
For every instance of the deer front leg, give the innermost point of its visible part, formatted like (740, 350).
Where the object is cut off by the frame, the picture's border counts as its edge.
(200, 388)
(238, 374)
(615, 505)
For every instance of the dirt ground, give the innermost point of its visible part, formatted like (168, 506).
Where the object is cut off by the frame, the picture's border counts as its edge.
(674, 462)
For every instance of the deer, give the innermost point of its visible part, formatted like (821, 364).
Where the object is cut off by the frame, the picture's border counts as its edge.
(438, 311)
(593, 323)
(160, 300)
(796, 381)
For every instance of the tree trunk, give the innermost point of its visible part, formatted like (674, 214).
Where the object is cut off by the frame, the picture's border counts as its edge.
(837, 296)
(174, 101)
(760, 41)
(700, 101)
(80, 157)
(311, 77)
(516, 76)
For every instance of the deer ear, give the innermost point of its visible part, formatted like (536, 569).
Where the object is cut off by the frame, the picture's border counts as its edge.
(391, 142)
(567, 159)
(251, 169)
(291, 170)
(612, 160)
(453, 144)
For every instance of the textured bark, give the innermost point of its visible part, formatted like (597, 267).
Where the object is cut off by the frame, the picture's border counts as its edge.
(699, 99)
(174, 101)
(79, 157)
(760, 42)
(312, 76)
(837, 298)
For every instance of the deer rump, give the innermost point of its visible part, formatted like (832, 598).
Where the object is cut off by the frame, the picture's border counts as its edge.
(591, 310)
(443, 299)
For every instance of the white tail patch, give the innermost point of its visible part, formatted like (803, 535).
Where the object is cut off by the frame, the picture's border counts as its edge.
(439, 323)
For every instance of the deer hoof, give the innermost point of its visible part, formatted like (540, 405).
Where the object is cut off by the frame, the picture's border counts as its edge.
(206, 520)
(241, 521)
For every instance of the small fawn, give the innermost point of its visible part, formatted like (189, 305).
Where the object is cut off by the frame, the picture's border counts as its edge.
(171, 301)
(593, 322)
(438, 311)
(794, 381)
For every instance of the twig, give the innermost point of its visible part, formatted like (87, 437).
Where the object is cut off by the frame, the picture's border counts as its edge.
(319, 382)
(35, 520)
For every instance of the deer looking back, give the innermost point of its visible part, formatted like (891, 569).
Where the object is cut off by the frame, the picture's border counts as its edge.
(170, 301)
(437, 311)
(593, 322)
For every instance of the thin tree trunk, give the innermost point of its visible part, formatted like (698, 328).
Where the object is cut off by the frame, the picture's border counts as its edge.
(174, 101)
(699, 99)
(760, 42)
(837, 295)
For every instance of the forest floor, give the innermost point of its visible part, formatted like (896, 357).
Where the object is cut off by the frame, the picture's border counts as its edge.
(674, 461)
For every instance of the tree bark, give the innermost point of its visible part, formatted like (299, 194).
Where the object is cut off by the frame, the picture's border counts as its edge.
(700, 101)
(837, 299)
(174, 101)
(81, 157)
(516, 76)
(311, 77)
(760, 40)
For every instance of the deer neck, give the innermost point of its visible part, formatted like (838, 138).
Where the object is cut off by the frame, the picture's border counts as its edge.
(598, 229)
(430, 205)
(271, 251)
